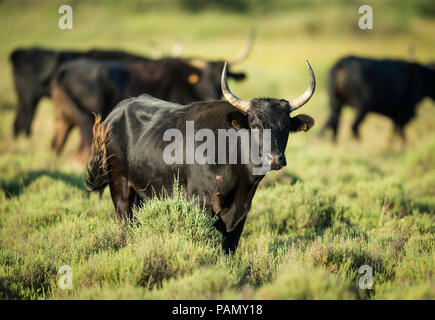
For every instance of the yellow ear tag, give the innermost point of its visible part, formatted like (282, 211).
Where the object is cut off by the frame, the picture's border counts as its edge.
(193, 78)
(235, 124)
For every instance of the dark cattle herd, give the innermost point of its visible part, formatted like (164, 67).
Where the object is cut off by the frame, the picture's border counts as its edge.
(85, 86)
(123, 104)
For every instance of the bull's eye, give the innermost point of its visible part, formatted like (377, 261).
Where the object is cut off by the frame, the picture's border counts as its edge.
(193, 78)
(235, 124)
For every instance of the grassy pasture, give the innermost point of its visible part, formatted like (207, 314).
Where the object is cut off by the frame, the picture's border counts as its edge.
(312, 225)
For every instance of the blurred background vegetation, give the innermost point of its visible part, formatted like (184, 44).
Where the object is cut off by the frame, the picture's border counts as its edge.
(312, 224)
(417, 7)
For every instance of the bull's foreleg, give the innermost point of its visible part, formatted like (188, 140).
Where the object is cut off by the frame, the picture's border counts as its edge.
(333, 124)
(123, 198)
(360, 115)
(399, 130)
(27, 102)
(334, 118)
(231, 239)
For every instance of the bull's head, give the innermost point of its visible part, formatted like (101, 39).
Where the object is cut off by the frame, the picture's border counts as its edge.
(206, 80)
(273, 114)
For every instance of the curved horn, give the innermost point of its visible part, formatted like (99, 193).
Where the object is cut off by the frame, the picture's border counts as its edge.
(303, 99)
(231, 98)
(242, 55)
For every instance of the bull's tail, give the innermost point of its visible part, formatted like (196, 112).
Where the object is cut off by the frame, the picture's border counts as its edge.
(97, 173)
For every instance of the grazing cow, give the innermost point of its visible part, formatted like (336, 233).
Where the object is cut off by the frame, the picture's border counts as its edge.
(34, 68)
(392, 88)
(83, 87)
(129, 148)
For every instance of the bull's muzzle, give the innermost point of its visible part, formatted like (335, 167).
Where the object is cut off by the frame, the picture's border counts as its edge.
(275, 160)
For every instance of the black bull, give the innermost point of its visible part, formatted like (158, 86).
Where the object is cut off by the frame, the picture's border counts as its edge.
(128, 148)
(34, 68)
(392, 88)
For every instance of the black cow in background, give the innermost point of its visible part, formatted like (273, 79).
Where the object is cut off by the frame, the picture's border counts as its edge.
(34, 68)
(392, 88)
(83, 87)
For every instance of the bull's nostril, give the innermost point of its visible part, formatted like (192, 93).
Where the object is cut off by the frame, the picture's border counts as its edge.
(275, 161)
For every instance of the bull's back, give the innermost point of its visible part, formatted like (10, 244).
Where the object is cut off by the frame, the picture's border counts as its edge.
(364, 81)
(94, 86)
(136, 139)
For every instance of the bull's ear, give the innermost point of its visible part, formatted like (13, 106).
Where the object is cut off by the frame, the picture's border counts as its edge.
(301, 122)
(237, 76)
(237, 120)
(193, 78)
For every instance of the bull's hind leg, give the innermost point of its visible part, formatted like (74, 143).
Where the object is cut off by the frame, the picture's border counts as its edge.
(124, 196)
(61, 132)
(63, 125)
(121, 198)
